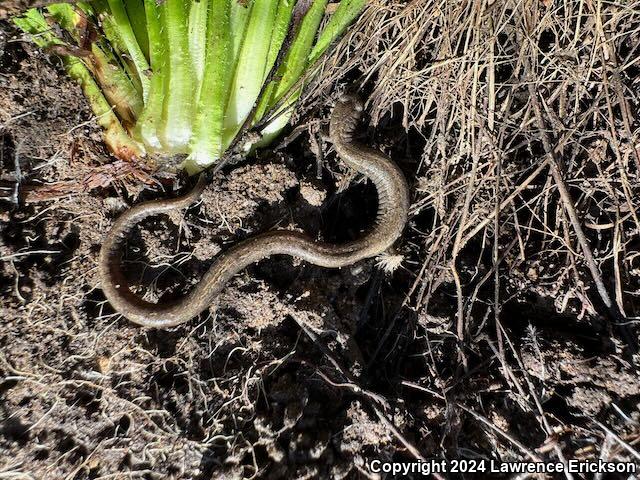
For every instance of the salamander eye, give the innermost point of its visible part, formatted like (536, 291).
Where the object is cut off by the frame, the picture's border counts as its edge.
(351, 98)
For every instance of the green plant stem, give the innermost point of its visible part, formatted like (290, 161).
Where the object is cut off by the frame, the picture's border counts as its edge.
(179, 84)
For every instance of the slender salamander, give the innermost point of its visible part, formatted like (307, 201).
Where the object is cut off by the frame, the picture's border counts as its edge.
(393, 207)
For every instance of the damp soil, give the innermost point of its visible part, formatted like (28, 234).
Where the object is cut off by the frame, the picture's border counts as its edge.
(268, 383)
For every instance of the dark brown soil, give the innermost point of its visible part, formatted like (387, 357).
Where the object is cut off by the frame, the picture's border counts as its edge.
(295, 371)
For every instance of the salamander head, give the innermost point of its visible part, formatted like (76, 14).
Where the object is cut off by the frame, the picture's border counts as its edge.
(353, 99)
(345, 116)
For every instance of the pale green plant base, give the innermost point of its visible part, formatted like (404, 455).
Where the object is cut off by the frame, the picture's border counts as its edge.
(183, 77)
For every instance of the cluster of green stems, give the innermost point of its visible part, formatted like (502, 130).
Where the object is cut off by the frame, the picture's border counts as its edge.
(186, 77)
